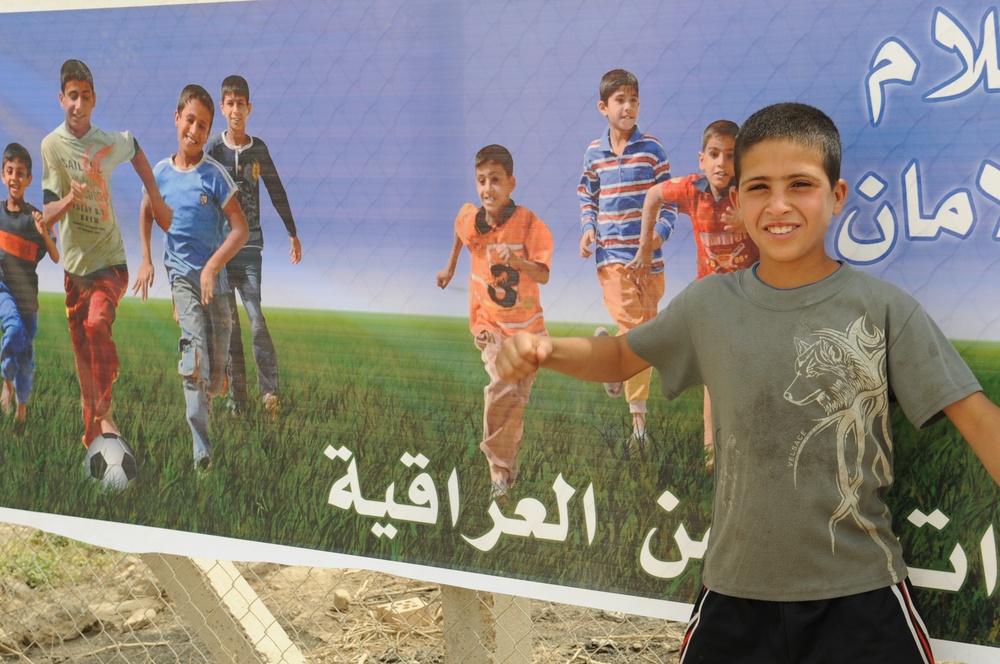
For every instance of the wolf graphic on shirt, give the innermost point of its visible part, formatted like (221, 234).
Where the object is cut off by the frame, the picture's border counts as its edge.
(844, 374)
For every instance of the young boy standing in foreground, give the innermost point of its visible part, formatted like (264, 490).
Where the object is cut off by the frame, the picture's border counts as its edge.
(802, 561)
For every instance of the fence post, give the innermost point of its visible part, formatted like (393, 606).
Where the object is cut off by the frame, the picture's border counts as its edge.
(481, 627)
(224, 611)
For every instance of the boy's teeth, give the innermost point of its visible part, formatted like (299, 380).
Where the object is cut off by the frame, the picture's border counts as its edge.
(780, 230)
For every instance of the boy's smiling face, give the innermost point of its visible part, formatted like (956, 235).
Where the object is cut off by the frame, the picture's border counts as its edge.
(194, 123)
(236, 109)
(78, 100)
(16, 178)
(621, 109)
(716, 161)
(785, 198)
(494, 187)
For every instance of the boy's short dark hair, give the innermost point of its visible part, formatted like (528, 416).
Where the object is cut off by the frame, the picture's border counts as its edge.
(19, 152)
(75, 70)
(195, 91)
(496, 154)
(237, 86)
(795, 122)
(719, 128)
(616, 79)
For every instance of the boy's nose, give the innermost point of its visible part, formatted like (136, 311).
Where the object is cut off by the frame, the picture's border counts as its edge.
(778, 202)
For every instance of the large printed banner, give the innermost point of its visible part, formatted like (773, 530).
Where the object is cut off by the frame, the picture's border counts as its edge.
(373, 113)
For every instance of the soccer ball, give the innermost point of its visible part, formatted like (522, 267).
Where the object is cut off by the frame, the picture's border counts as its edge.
(111, 462)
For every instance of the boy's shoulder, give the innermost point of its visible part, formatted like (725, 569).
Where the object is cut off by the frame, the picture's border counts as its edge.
(695, 180)
(26, 209)
(218, 141)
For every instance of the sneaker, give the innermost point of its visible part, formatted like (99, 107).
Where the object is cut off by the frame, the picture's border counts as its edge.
(499, 489)
(613, 389)
(232, 407)
(271, 405)
(636, 444)
(203, 464)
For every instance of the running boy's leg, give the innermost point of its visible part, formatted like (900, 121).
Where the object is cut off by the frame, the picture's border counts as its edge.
(24, 378)
(108, 288)
(194, 365)
(237, 360)
(11, 343)
(503, 415)
(90, 309)
(632, 301)
(264, 354)
(218, 331)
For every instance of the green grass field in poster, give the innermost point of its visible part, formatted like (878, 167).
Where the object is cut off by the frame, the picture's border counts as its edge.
(383, 385)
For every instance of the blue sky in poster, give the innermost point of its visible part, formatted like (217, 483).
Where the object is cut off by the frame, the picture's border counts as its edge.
(373, 112)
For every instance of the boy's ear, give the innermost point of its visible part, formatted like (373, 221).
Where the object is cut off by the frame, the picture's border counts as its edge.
(249, 108)
(840, 195)
(602, 106)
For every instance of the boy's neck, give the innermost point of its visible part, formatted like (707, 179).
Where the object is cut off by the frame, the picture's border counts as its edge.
(786, 277)
(237, 139)
(14, 204)
(619, 139)
(182, 162)
(84, 132)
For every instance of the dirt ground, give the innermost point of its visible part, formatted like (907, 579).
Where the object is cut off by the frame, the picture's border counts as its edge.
(108, 607)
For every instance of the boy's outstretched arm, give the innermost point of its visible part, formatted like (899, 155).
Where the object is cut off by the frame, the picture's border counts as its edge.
(648, 240)
(237, 237)
(444, 276)
(978, 420)
(597, 359)
(161, 211)
(144, 278)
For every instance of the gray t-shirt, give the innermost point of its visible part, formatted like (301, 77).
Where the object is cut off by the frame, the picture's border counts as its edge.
(801, 381)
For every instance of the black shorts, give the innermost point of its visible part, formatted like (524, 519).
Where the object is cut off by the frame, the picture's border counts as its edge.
(877, 627)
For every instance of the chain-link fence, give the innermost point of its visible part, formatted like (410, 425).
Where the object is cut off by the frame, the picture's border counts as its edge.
(65, 601)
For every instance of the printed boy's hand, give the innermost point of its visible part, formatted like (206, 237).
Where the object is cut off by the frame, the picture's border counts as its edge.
(503, 252)
(207, 284)
(295, 253)
(521, 355)
(588, 238)
(732, 222)
(143, 281)
(39, 222)
(643, 261)
(444, 277)
(77, 190)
